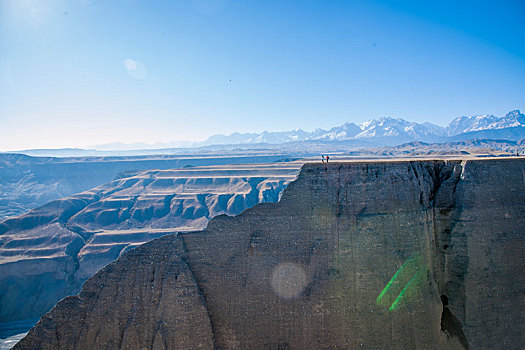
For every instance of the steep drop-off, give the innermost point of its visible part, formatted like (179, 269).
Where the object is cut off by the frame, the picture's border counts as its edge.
(425, 254)
(49, 252)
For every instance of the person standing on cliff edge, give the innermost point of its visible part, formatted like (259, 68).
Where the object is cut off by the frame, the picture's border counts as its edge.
(327, 157)
(322, 158)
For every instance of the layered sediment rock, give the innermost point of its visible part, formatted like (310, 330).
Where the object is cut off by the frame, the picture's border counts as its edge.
(424, 254)
(49, 252)
(28, 182)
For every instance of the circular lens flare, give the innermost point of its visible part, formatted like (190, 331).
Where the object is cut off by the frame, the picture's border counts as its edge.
(288, 280)
(135, 69)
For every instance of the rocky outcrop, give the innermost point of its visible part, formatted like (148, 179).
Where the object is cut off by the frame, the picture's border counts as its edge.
(49, 252)
(407, 254)
(28, 182)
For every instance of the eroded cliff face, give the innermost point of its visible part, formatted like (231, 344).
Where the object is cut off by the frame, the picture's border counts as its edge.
(424, 254)
(46, 254)
(28, 182)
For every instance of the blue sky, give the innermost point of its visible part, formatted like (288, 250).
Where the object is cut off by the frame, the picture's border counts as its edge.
(84, 72)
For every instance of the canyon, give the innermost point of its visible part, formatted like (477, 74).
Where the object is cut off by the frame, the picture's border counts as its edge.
(28, 182)
(366, 254)
(47, 253)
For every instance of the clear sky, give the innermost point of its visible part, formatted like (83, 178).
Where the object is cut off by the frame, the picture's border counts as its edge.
(84, 72)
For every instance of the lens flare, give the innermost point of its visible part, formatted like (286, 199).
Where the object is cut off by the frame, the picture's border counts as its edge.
(404, 286)
(288, 280)
(135, 69)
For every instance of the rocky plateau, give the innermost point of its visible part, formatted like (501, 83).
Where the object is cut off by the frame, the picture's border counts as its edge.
(47, 253)
(424, 254)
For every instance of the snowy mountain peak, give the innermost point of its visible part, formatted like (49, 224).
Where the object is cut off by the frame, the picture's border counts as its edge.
(515, 118)
(385, 128)
(515, 113)
(485, 122)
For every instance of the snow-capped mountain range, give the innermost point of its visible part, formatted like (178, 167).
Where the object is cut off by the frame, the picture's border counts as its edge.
(392, 130)
(382, 132)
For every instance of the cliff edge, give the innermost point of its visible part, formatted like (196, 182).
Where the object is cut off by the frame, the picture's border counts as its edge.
(402, 254)
(49, 252)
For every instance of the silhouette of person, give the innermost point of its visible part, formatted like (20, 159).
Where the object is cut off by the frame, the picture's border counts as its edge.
(327, 157)
(322, 158)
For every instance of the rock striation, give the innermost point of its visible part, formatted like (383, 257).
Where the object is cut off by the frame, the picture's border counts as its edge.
(49, 252)
(28, 182)
(401, 254)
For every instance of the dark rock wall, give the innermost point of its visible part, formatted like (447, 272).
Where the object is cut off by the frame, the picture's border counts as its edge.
(405, 255)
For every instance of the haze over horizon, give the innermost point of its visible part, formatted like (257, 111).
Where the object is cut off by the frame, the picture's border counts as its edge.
(88, 72)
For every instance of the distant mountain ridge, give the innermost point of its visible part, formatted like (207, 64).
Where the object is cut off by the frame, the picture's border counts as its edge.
(385, 131)
(462, 125)
(389, 130)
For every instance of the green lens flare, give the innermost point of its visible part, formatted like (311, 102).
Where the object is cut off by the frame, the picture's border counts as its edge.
(403, 287)
(409, 293)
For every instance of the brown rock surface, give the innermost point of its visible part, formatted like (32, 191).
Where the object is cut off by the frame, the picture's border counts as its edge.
(425, 254)
(46, 254)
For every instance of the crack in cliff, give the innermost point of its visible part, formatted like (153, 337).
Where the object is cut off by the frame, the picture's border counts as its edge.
(419, 181)
(201, 198)
(438, 183)
(128, 212)
(450, 246)
(76, 245)
(72, 250)
(451, 325)
(167, 204)
(440, 174)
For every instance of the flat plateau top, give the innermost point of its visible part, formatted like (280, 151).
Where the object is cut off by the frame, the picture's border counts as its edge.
(336, 160)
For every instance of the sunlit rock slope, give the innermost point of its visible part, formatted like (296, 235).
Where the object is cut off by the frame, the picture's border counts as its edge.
(384, 255)
(28, 182)
(49, 252)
